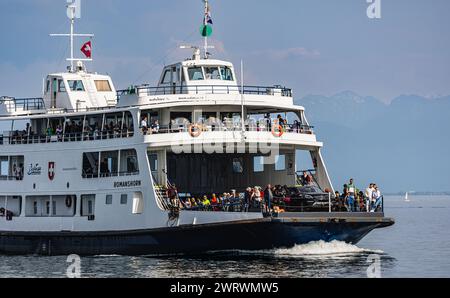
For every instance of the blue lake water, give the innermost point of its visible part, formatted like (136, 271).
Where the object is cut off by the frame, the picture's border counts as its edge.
(418, 245)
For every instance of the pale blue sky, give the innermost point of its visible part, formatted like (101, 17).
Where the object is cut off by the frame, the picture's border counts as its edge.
(314, 46)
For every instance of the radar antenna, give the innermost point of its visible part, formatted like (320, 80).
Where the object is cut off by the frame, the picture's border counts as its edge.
(73, 12)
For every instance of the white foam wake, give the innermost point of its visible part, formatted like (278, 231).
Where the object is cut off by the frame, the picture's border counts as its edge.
(320, 248)
(312, 249)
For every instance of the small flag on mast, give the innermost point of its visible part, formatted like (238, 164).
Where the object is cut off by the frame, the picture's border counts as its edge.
(87, 49)
(208, 18)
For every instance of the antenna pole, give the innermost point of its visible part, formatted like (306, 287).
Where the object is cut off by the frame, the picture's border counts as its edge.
(72, 22)
(242, 96)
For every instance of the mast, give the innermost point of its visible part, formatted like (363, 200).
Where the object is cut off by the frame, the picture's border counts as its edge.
(73, 12)
(206, 29)
(205, 23)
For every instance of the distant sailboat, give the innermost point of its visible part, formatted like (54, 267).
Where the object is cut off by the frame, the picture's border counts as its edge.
(406, 197)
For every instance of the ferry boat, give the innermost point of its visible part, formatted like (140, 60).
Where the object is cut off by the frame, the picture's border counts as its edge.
(85, 168)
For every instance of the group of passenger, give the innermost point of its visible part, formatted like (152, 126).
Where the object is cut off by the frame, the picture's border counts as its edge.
(149, 129)
(354, 200)
(253, 198)
(228, 124)
(73, 131)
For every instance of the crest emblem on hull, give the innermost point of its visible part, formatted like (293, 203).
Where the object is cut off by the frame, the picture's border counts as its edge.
(51, 170)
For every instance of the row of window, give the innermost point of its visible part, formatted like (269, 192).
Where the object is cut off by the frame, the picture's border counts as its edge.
(110, 163)
(59, 85)
(198, 73)
(63, 205)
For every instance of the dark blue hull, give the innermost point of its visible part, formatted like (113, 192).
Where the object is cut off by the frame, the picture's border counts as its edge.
(248, 235)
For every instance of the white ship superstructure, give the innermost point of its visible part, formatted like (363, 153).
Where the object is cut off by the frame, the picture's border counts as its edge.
(85, 168)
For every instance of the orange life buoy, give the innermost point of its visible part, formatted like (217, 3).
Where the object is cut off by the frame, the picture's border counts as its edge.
(278, 133)
(194, 130)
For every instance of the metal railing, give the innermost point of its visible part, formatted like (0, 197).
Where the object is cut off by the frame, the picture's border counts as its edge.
(289, 128)
(22, 139)
(206, 89)
(25, 104)
(108, 175)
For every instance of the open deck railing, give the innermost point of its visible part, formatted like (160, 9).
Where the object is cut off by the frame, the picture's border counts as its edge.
(206, 89)
(23, 138)
(22, 104)
(108, 175)
(289, 128)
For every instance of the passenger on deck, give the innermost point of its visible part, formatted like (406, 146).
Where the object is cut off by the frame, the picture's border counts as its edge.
(214, 200)
(340, 205)
(268, 198)
(360, 205)
(344, 197)
(296, 127)
(144, 125)
(305, 178)
(351, 195)
(258, 197)
(59, 131)
(193, 203)
(268, 122)
(248, 197)
(155, 126)
(187, 203)
(376, 198)
(206, 203)
(172, 193)
(281, 121)
(368, 196)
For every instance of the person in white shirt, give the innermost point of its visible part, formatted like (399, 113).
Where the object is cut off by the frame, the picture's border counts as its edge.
(376, 198)
(368, 196)
(144, 125)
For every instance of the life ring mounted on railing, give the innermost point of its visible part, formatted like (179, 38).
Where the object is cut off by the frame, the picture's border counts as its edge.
(277, 130)
(195, 130)
(69, 201)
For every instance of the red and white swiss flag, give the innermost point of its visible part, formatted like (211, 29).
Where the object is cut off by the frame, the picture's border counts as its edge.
(87, 49)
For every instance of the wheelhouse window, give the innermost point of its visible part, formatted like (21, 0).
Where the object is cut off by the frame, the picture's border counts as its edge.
(61, 86)
(195, 73)
(76, 85)
(103, 85)
(47, 86)
(212, 73)
(226, 73)
(167, 78)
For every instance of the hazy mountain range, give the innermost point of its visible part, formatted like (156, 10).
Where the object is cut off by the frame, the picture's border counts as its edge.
(402, 146)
